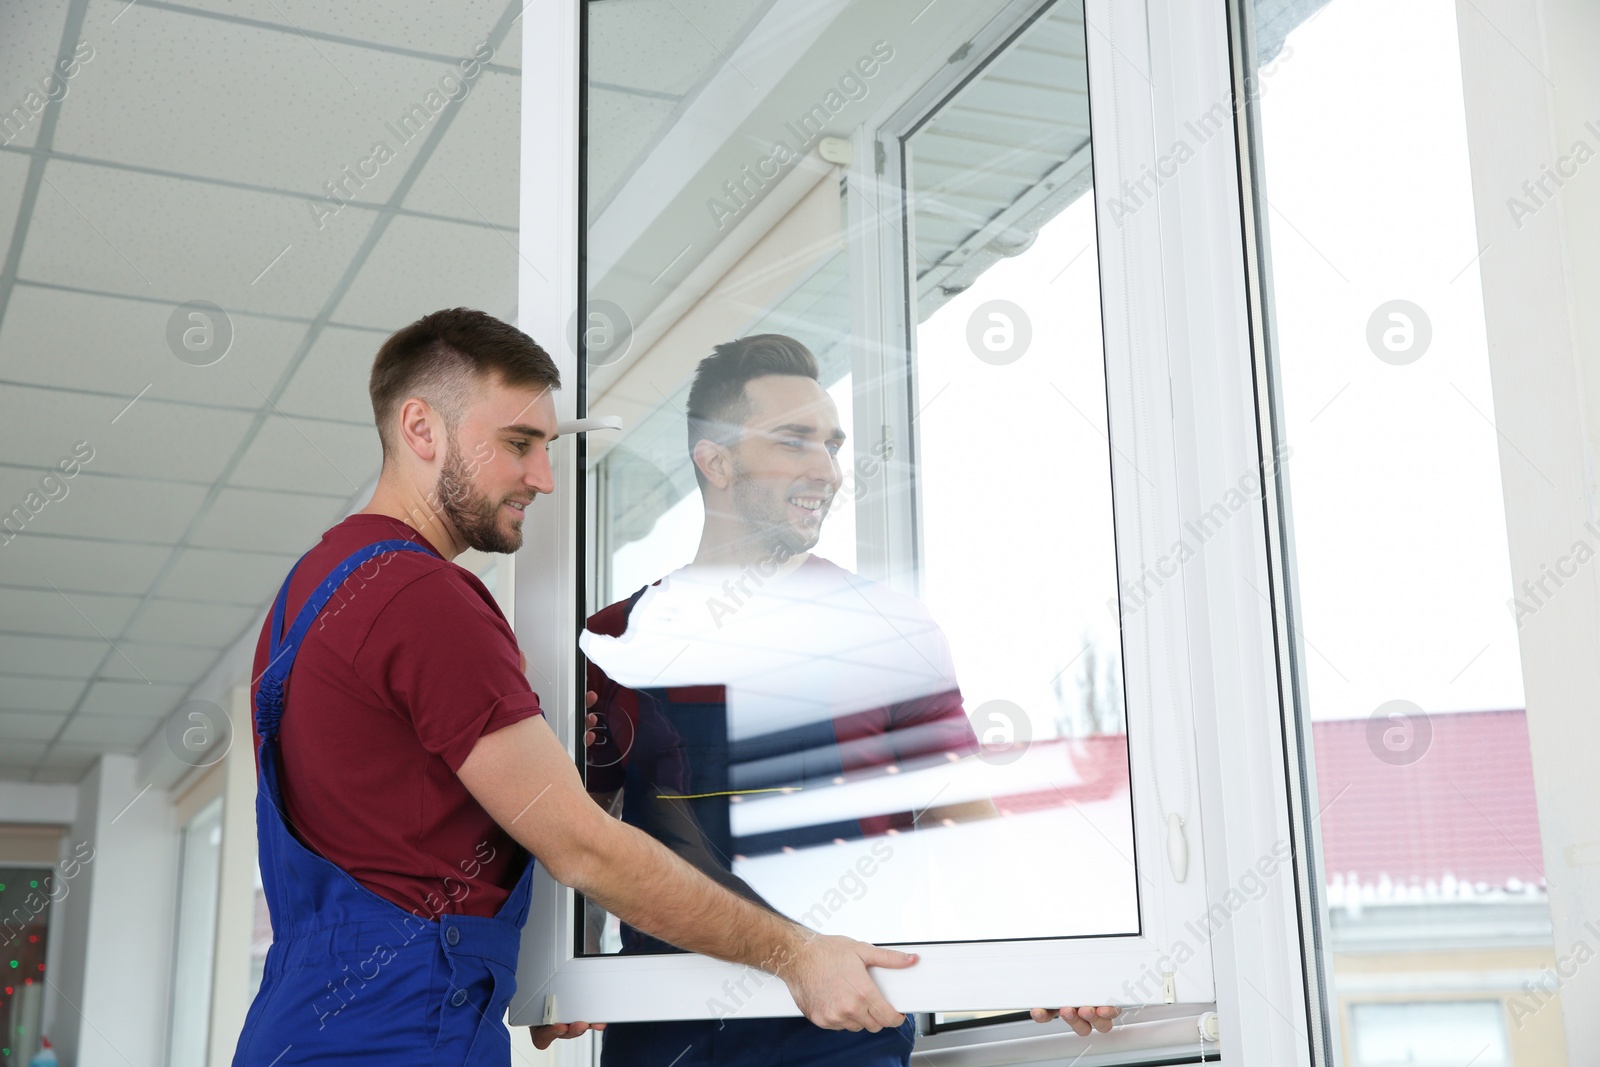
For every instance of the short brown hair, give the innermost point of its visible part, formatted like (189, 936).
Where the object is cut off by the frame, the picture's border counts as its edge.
(442, 356)
(717, 399)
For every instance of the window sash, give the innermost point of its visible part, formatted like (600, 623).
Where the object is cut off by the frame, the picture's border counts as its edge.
(1172, 295)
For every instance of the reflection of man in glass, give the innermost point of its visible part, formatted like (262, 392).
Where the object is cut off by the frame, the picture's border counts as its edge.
(761, 668)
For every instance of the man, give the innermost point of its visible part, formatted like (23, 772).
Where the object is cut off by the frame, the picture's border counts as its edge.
(758, 669)
(407, 772)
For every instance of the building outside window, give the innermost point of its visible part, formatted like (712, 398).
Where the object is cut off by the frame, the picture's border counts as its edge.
(1406, 611)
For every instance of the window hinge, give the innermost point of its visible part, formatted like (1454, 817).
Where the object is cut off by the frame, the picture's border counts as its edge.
(549, 1009)
(1169, 987)
(888, 441)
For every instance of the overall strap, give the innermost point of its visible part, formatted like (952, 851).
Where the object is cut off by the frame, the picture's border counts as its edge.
(283, 647)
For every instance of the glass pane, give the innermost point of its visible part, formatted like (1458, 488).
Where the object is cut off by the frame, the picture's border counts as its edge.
(1429, 827)
(1435, 1033)
(26, 894)
(853, 587)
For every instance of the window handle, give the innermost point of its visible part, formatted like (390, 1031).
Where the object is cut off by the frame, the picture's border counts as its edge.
(599, 422)
(1177, 847)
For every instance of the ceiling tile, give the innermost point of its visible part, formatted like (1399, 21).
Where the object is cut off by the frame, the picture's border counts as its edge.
(26, 726)
(20, 693)
(58, 657)
(99, 505)
(297, 455)
(631, 122)
(22, 752)
(66, 776)
(273, 108)
(331, 381)
(36, 562)
(253, 520)
(68, 763)
(42, 427)
(132, 698)
(13, 176)
(467, 266)
(659, 46)
(32, 36)
(159, 663)
(665, 45)
(123, 733)
(186, 622)
(45, 611)
(473, 175)
(122, 231)
(510, 53)
(235, 577)
(121, 345)
(450, 30)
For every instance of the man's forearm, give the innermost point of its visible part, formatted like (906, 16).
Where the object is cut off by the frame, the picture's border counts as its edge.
(644, 884)
(526, 782)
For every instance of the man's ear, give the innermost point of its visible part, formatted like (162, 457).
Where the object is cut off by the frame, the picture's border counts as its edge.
(714, 462)
(421, 429)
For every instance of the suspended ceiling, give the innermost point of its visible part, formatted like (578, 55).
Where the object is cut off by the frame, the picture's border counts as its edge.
(181, 164)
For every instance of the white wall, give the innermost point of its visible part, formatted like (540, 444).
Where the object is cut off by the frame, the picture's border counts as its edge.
(1531, 85)
(230, 982)
(116, 927)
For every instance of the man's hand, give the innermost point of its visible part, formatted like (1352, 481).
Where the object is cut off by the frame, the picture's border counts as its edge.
(527, 783)
(1082, 1020)
(828, 978)
(544, 1036)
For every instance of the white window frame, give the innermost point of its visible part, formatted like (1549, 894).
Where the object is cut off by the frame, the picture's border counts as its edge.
(209, 803)
(1188, 317)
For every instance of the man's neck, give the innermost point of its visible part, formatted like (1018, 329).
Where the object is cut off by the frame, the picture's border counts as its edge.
(415, 508)
(740, 550)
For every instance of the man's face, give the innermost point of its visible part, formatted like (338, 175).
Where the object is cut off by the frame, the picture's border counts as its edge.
(496, 462)
(786, 467)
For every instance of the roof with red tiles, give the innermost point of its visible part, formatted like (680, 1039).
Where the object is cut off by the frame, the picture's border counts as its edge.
(1454, 798)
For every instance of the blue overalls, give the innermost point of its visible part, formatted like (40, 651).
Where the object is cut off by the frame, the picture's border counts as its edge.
(351, 977)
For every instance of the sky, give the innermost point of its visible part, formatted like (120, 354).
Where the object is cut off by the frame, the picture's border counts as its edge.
(1019, 563)
(1398, 516)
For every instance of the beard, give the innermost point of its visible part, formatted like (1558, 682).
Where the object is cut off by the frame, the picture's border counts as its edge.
(766, 518)
(474, 515)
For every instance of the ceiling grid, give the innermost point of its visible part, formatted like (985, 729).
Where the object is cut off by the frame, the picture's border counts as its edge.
(204, 141)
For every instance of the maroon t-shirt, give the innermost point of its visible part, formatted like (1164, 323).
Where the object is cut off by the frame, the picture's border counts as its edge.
(408, 665)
